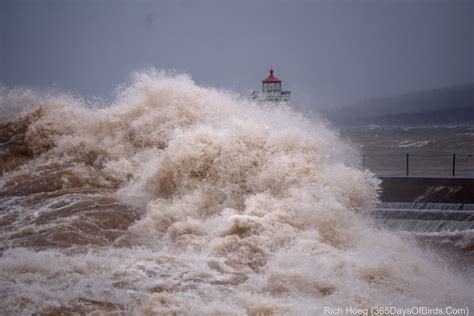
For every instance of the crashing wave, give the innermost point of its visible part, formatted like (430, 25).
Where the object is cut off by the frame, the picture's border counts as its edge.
(242, 208)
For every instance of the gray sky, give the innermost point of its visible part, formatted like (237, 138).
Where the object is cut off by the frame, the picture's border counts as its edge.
(328, 52)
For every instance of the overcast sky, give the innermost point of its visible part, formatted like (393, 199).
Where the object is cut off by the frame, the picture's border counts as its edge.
(329, 52)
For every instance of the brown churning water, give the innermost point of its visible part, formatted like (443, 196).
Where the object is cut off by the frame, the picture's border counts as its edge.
(181, 199)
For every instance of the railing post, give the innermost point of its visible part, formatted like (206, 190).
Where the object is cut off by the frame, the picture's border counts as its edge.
(408, 164)
(363, 161)
(454, 165)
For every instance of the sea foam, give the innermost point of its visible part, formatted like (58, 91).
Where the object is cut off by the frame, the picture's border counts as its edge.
(244, 208)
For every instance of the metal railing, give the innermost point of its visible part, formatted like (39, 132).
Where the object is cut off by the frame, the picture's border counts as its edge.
(420, 164)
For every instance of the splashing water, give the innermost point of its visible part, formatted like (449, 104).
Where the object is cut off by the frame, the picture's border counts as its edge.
(181, 199)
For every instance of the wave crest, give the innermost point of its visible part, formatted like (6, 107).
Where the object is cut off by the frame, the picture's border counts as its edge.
(244, 207)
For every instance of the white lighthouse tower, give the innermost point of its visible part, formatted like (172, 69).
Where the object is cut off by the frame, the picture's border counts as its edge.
(271, 90)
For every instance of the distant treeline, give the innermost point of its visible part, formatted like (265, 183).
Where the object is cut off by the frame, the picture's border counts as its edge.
(446, 106)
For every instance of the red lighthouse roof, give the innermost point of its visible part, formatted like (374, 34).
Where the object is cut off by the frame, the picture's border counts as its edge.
(271, 78)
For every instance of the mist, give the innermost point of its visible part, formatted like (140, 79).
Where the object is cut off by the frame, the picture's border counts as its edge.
(327, 52)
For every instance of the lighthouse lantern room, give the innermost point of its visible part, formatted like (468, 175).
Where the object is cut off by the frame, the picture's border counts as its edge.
(271, 90)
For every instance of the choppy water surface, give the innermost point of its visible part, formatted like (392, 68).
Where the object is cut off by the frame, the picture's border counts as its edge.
(430, 149)
(180, 199)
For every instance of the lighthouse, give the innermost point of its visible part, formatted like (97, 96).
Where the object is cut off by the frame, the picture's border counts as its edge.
(271, 90)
